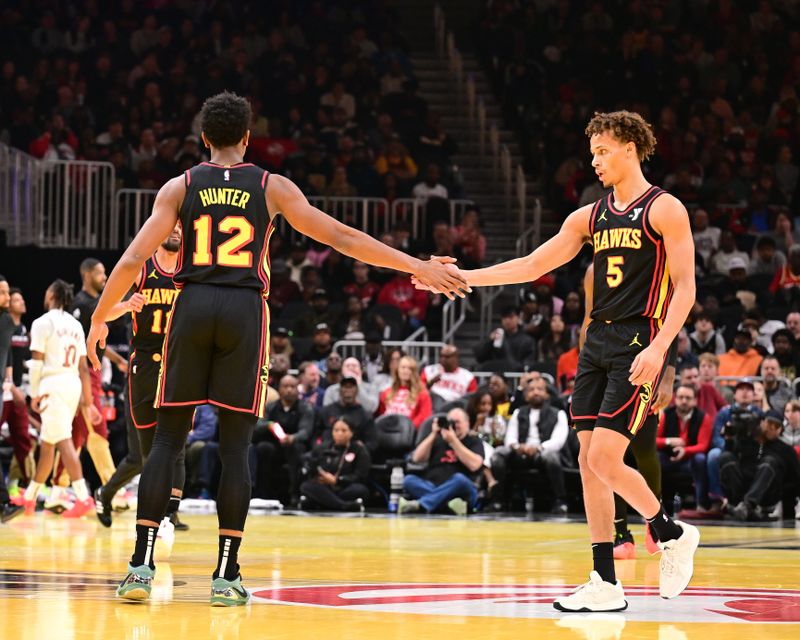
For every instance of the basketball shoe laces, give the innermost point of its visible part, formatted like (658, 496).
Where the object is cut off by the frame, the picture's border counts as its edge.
(590, 587)
(668, 565)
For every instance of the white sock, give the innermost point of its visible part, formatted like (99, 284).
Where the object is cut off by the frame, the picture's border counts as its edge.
(32, 490)
(81, 492)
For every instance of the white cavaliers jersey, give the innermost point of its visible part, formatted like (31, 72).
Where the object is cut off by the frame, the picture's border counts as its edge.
(60, 338)
(452, 385)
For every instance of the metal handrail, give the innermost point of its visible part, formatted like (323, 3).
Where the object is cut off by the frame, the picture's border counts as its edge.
(511, 376)
(451, 319)
(487, 297)
(506, 170)
(521, 193)
(494, 147)
(423, 351)
(133, 208)
(482, 130)
(20, 195)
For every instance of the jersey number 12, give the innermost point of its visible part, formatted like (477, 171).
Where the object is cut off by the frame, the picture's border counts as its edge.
(229, 252)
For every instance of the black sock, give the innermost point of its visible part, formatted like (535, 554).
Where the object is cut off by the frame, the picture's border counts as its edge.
(603, 556)
(621, 527)
(228, 558)
(174, 503)
(664, 527)
(145, 539)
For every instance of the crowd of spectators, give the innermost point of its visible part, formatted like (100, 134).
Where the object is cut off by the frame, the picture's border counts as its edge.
(333, 92)
(723, 101)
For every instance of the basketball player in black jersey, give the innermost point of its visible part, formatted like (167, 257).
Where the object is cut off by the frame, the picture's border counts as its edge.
(644, 287)
(216, 340)
(150, 305)
(643, 447)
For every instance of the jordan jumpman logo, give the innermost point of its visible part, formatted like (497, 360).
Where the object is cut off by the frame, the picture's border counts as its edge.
(635, 342)
(603, 216)
(153, 275)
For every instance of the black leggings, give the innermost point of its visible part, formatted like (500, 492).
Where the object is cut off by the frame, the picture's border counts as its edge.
(233, 495)
(642, 451)
(140, 442)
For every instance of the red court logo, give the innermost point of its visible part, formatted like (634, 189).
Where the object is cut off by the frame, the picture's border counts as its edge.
(696, 604)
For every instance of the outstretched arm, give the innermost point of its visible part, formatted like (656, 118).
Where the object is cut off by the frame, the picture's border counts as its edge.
(284, 197)
(669, 218)
(157, 227)
(558, 250)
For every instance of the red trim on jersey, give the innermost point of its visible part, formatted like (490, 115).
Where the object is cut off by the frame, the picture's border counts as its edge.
(159, 269)
(188, 403)
(227, 406)
(581, 417)
(262, 354)
(130, 395)
(262, 274)
(652, 294)
(264, 180)
(188, 177)
(616, 211)
(223, 166)
(593, 218)
(163, 376)
(623, 407)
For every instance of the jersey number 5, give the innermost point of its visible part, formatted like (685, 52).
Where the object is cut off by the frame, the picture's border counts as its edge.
(614, 273)
(229, 252)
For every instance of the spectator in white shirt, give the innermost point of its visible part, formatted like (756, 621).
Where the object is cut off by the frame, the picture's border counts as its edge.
(447, 381)
(431, 187)
(535, 437)
(706, 238)
(721, 262)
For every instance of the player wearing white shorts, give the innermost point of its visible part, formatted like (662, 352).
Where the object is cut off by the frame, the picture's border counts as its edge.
(60, 381)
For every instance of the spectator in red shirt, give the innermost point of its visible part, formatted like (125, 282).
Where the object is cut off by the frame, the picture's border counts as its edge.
(787, 278)
(362, 286)
(400, 293)
(407, 396)
(709, 399)
(567, 368)
(684, 436)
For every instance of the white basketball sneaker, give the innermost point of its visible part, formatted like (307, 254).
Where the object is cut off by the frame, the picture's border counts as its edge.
(595, 595)
(166, 534)
(677, 561)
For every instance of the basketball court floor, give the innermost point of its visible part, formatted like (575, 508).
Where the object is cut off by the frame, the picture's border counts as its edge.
(385, 578)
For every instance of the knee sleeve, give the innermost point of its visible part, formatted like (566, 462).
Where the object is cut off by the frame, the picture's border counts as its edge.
(233, 496)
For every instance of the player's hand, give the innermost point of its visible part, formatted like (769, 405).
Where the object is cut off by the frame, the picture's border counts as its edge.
(94, 414)
(646, 366)
(663, 397)
(135, 302)
(440, 275)
(123, 367)
(98, 333)
(36, 404)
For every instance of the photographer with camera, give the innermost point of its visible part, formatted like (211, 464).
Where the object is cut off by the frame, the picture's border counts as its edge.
(455, 457)
(756, 463)
(742, 403)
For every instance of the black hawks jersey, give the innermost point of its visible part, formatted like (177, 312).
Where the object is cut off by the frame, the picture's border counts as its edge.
(226, 227)
(631, 279)
(150, 323)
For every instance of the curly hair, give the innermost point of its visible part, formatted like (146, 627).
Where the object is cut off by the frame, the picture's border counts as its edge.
(62, 293)
(625, 126)
(225, 119)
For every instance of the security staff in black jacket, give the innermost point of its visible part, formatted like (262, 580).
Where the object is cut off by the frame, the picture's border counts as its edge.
(339, 471)
(287, 442)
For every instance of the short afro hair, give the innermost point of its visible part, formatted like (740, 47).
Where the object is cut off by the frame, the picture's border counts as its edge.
(625, 126)
(225, 119)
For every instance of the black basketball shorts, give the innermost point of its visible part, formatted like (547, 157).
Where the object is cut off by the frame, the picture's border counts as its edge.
(603, 396)
(216, 349)
(143, 370)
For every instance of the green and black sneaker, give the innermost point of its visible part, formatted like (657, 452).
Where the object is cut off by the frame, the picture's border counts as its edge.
(228, 593)
(138, 584)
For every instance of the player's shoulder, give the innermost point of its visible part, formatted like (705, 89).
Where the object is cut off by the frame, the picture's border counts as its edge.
(665, 202)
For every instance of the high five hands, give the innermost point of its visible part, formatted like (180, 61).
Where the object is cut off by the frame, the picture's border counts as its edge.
(441, 275)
